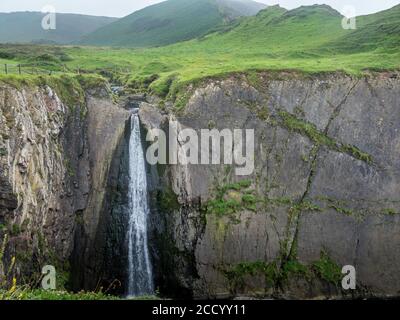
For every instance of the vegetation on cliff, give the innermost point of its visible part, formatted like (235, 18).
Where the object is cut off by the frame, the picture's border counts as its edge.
(69, 87)
(277, 274)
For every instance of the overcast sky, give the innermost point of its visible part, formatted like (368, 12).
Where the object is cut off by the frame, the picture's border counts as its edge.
(120, 8)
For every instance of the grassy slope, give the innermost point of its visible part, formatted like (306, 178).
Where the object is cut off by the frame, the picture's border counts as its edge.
(25, 294)
(305, 39)
(160, 24)
(375, 32)
(170, 22)
(20, 293)
(309, 39)
(25, 27)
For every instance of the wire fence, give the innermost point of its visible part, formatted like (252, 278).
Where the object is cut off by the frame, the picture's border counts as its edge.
(33, 69)
(50, 69)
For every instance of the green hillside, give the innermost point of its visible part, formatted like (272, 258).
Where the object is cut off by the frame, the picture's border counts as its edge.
(170, 22)
(26, 27)
(307, 39)
(276, 30)
(376, 31)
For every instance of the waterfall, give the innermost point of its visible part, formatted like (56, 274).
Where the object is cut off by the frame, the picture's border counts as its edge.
(140, 278)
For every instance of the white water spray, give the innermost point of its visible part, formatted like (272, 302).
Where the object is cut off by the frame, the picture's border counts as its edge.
(140, 280)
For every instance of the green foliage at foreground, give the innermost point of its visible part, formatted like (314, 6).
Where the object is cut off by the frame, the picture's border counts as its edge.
(25, 294)
(21, 293)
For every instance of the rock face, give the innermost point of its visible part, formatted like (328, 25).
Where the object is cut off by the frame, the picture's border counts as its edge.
(324, 192)
(99, 237)
(55, 160)
(34, 193)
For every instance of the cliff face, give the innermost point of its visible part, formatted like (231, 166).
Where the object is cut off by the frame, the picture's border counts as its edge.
(324, 192)
(54, 163)
(34, 194)
(98, 256)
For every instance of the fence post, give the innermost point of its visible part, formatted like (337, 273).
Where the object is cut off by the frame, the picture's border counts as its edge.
(19, 69)
(6, 68)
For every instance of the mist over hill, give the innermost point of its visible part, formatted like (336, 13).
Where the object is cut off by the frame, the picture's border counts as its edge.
(26, 27)
(170, 22)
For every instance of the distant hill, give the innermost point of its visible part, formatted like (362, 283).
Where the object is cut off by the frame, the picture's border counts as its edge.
(170, 22)
(305, 38)
(308, 38)
(309, 31)
(276, 29)
(375, 31)
(26, 27)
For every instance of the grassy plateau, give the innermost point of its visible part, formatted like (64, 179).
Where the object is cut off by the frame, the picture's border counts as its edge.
(307, 39)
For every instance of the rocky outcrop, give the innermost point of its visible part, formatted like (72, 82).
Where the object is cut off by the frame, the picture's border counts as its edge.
(324, 192)
(32, 173)
(55, 158)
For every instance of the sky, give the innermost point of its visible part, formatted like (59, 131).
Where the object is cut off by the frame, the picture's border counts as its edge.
(120, 8)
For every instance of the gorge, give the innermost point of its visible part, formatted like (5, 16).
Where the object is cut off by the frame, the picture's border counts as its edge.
(324, 192)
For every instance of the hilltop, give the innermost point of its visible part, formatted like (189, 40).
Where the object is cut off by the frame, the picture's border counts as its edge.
(170, 22)
(379, 31)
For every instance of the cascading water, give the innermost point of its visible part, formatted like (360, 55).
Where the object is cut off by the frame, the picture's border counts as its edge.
(140, 278)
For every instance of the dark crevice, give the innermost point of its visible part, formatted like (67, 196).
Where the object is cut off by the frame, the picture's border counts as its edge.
(338, 108)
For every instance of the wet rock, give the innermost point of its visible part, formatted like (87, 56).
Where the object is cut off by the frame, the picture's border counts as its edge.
(326, 181)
